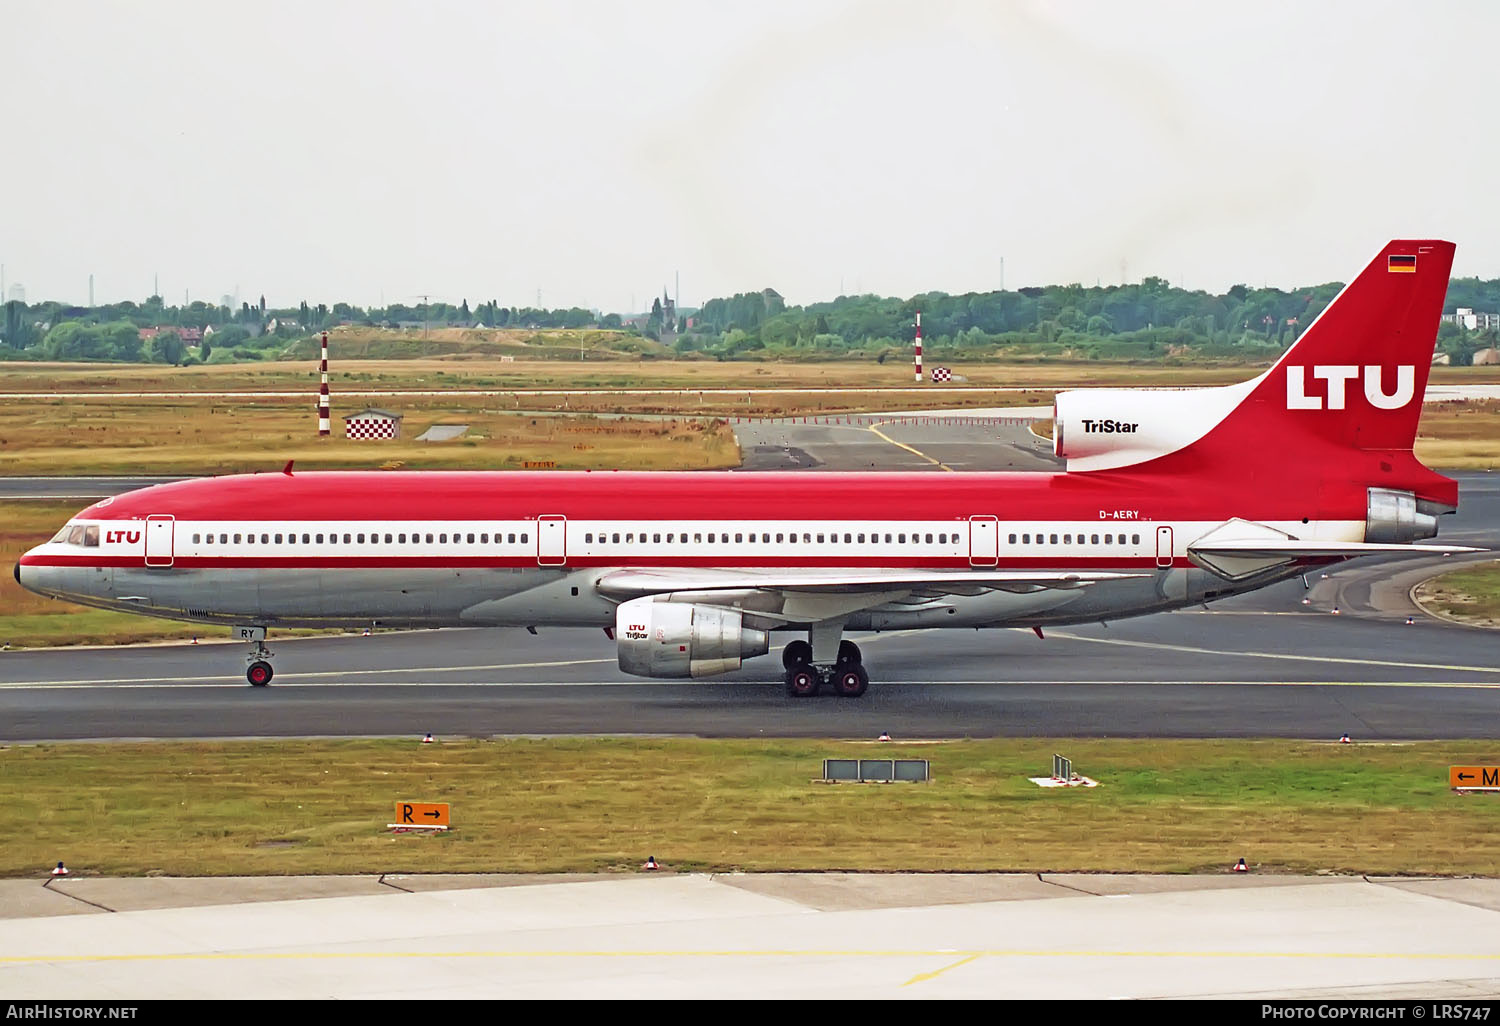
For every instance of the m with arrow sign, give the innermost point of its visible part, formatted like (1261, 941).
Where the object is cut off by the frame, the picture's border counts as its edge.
(1474, 778)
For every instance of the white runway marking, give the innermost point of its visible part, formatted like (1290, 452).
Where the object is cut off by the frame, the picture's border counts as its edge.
(316, 673)
(1191, 650)
(291, 681)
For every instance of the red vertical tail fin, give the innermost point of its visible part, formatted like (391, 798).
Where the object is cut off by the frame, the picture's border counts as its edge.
(1357, 375)
(1342, 403)
(1338, 412)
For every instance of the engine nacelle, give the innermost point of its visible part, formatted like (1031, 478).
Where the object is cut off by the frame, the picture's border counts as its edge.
(1103, 428)
(656, 637)
(1395, 518)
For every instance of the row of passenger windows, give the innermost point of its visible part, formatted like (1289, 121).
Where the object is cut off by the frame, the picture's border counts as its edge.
(398, 538)
(1067, 539)
(785, 538)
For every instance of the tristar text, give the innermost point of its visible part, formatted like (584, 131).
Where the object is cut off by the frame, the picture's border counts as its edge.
(1337, 376)
(1107, 427)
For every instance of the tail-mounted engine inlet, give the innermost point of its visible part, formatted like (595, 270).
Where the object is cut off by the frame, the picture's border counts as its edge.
(1396, 518)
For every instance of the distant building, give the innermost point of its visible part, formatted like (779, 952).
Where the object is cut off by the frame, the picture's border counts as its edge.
(1470, 320)
(1487, 357)
(373, 424)
(17, 293)
(189, 336)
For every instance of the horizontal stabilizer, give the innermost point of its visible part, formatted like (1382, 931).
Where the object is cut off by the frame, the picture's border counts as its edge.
(1295, 548)
(1238, 558)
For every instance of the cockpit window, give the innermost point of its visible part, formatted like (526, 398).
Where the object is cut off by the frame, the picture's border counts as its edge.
(73, 533)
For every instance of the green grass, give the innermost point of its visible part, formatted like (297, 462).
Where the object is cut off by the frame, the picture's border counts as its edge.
(534, 805)
(1470, 595)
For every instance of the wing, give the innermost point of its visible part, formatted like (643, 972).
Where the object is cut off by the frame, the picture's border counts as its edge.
(806, 595)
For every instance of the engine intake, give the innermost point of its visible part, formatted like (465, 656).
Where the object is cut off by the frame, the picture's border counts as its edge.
(1395, 518)
(656, 637)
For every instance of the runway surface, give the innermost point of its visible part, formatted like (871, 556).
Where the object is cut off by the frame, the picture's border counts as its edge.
(971, 440)
(1234, 673)
(82, 488)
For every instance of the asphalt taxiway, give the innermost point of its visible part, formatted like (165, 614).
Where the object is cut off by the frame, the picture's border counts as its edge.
(937, 440)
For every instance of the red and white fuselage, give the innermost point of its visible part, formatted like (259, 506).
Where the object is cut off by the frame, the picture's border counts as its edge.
(1171, 498)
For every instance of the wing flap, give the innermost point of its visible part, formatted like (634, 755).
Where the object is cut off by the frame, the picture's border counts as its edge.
(659, 580)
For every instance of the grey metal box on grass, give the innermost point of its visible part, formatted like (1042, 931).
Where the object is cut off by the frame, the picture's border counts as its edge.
(882, 771)
(841, 769)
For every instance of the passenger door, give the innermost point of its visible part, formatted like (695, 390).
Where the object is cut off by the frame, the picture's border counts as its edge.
(1163, 546)
(551, 540)
(159, 531)
(984, 541)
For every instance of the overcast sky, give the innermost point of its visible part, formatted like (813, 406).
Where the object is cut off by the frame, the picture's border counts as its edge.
(374, 151)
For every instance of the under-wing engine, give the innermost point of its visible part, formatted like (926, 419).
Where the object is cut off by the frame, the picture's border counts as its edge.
(660, 638)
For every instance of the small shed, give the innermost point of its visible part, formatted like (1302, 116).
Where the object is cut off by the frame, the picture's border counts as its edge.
(1487, 357)
(372, 423)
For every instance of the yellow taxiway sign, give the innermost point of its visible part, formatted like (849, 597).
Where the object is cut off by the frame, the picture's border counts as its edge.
(1474, 778)
(421, 814)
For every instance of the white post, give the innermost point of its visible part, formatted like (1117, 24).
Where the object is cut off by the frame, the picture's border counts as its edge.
(325, 421)
(919, 347)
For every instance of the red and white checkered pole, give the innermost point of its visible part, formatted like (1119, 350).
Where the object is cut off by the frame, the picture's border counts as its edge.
(919, 347)
(325, 421)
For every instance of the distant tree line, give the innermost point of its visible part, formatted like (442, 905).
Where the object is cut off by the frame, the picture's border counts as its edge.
(1149, 320)
(56, 331)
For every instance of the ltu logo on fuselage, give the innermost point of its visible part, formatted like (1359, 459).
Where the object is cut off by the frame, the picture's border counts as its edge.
(129, 537)
(1338, 375)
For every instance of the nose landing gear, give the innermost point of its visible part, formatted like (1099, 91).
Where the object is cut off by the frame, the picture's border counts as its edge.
(258, 664)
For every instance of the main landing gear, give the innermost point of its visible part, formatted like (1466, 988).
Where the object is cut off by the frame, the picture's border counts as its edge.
(804, 678)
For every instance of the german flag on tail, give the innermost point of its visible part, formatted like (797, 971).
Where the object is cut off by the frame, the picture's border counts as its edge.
(1402, 263)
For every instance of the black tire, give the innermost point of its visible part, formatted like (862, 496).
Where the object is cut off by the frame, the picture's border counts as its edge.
(803, 681)
(796, 653)
(850, 681)
(849, 653)
(260, 673)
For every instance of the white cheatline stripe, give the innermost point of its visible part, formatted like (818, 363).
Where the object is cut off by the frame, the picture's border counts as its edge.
(1192, 650)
